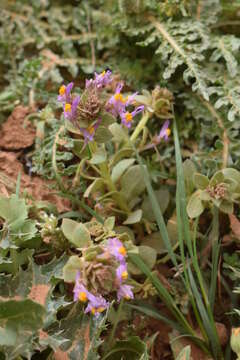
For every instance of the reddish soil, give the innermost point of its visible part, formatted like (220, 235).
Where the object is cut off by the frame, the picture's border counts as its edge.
(16, 136)
(16, 132)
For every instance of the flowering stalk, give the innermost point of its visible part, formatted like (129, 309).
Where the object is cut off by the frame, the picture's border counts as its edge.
(111, 187)
(142, 123)
(105, 174)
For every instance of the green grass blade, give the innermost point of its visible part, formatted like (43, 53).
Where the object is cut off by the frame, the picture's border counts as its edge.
(209, 323)
(181, 191)
(215, 257)
(163, 293)
(150, 311)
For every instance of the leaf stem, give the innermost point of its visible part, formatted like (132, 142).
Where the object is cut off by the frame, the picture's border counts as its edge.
(140, 126)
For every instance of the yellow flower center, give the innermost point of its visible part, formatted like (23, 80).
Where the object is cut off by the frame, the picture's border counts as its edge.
(168, 132)
(100, 309)
(119, 97)
(128, 117)
(93, 310)
(103, 73)
(62, 90)
(91, 130)
(68, 107)
(82, 296)
(127, 297)
(124, 275)
(122, 251)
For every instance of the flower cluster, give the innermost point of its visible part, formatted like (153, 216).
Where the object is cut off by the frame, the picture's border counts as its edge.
(116, 249)
(69, 102)
(96, 303)
(117, 105)
(100, 80)
(75, 107)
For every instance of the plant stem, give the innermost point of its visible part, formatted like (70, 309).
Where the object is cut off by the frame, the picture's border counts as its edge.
(54, 160)
(140, 127)
(112, 188)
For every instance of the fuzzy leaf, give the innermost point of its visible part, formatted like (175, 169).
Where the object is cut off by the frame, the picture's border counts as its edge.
(120, 168)
(81, 236)
(201, 181)
(148, 255)
(133, 217)
(99, 156)
(21, 316)
(132, 182)
(71, 267)
(195, 206)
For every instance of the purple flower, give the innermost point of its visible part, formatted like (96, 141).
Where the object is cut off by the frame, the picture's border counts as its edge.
(100, 80)
(89, 132)
(80, 292)
(116, 248)
(96, 305)
(65, 93)
(70, 109)
(125, 292)
(117, 102)
(121, 272)
(130, 99)
(127, 117)
(165, 131)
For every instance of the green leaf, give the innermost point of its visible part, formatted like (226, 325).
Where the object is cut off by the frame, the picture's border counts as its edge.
(109, 223)
(148, 255)
(120, 168)
(81, 236)
(70, 269)
(99, 156)
(132, 182)
(155, 241)
(94, 186)
(68, 226)
(189, 170)
(201, 181)
(118, 132)
(134, 217)
(20, 316)
(71, 128)
(226, 207)
(120, 154)
(233, 174)
(217, 178)
(131, 349)
(103, 135)
(13, 210)
(107, 119)
(195, 206)
(76, 233)
(163, 198)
